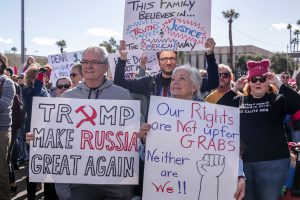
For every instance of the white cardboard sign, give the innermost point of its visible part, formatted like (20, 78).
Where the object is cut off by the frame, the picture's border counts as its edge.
(161, 25)
(62, 64)
(133, 63)
(192, 150)
(84, 141)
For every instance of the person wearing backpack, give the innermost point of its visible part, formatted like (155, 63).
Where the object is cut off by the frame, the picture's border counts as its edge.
(17, 121)
(7, 93)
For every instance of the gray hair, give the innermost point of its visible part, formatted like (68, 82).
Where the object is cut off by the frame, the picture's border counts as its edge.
(222, 66)
(195, 78)
(101, 50)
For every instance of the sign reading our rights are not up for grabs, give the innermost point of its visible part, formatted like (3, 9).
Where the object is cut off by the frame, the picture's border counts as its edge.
(162, 25)
(84, 141)
(192, 150)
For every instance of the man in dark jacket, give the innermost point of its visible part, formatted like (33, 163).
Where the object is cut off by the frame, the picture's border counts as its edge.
(159, 83)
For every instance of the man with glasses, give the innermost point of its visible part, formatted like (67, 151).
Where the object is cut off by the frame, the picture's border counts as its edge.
(225, 78)
(95, 86)
(159, 83)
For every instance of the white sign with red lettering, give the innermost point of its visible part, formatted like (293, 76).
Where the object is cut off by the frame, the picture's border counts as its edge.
(133, 63)
(192, 150)
(84, 141)
(165, 25)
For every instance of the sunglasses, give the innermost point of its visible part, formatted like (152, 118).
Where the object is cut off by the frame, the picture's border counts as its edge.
(261, 79)
(285, 77)
(224, 75)
(20, 77)
(72, 75)
(66, 86)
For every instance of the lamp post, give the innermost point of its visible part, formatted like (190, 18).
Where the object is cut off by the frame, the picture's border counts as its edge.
(287, 58)
(22, 33)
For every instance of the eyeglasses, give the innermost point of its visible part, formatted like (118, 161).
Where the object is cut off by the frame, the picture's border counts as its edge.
(261, 79)
(72, 75)
(164, 60)
(66, 86)
(285, 77)
(92, 62)
(20, 77)
(224, 75)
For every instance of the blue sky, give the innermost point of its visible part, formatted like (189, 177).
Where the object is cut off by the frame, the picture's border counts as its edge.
(83, 23)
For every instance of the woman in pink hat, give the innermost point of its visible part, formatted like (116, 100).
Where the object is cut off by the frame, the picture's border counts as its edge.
(263, 107)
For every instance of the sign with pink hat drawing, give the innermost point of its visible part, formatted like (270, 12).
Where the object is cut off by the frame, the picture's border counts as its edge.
(161, 25)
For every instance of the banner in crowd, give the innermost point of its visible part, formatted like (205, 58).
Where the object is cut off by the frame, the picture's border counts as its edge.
(192, 150)
(133, 63)
(62, 64)
(84, 141)
(162, 25)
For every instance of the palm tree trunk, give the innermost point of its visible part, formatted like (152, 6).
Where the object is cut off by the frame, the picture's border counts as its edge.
(291, 40)
(61, 50)
(231, 47)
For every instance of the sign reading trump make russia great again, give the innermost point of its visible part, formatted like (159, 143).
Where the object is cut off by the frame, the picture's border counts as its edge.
(84, 141)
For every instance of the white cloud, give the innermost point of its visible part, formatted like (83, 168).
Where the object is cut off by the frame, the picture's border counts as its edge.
(103, 32)
(6, 41)
(281, 26)
(29, 18)
(43, 41)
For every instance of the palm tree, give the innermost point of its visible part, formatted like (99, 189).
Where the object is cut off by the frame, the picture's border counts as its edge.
(289, 27)
(111, 45)
(61, 44)
(14, 49)
(293, 43)
(297, 32)
(230, 15)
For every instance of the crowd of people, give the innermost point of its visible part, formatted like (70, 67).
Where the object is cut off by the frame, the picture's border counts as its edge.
(269, 115)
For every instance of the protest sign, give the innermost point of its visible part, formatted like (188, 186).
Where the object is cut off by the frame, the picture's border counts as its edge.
(162, 25)
(133, 63)
(84, 141)
(62, 64)
(192, 150)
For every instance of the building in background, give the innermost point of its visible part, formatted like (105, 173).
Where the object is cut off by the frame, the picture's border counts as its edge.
(196, 58)
(15, 59)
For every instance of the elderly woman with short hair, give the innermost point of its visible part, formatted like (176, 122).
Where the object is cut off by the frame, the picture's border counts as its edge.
(185, 84)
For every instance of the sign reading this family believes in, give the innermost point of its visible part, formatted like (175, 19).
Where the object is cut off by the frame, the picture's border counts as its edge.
(62, 64)
(192, 150)
(133, 63)
(84, 141)
(162, 25)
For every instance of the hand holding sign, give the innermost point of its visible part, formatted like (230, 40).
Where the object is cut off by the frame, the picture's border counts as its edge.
(144, 61)
(122, 49)
(210, 44)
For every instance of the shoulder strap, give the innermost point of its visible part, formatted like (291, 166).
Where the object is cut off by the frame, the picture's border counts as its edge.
(1, 86)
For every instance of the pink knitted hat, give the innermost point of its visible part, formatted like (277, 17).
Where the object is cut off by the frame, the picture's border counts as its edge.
(257, 68)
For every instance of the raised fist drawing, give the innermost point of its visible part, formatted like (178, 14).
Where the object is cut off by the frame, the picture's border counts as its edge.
(211, 165)
(210, 168)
